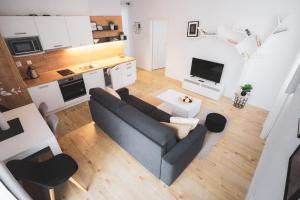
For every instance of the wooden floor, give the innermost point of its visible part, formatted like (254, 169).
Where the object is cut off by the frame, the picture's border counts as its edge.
(111, 173)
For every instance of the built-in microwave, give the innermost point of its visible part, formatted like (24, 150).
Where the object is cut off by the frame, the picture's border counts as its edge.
(24, 45)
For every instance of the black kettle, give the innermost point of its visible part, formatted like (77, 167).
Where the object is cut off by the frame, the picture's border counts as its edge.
(31, 73)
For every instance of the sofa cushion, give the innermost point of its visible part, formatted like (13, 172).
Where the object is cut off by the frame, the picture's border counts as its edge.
(140, 104)
(112, 92)
(124, 93)
(109, 101)
(188, 121)
(182, 130)
(149, 127)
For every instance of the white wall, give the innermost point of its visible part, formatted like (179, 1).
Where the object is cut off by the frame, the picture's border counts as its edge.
(270, 176)
(270, 65)
(60, 7)
(126, 28)
(257, 15)
(143, 11)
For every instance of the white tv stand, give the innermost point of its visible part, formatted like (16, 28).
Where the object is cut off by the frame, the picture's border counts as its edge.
(203, 87)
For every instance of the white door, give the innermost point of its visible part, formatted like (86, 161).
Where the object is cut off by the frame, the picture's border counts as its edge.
(159, 30)
(80, 31)
(53, 32)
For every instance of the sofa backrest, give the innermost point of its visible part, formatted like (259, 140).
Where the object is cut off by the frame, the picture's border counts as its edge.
(152, 129)
(146, 125)
(109, 101)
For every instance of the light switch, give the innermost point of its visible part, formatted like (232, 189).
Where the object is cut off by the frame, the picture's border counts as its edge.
(29, 62)
(19, 64)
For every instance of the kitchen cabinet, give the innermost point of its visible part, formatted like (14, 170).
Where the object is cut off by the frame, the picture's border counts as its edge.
(129, 73)
(116, 77)
(123, 75)
(80, 31)
(52, 31)
(17, 26)
(49, 93)
(94, 79)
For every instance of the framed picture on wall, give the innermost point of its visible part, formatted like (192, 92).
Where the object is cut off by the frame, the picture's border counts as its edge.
(193, 29)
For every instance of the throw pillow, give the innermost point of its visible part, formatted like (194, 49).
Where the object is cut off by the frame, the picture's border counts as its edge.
(113, 92)
(188, 121)
(182, 130)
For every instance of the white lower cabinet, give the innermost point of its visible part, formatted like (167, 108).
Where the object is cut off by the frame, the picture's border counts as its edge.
(123, 75)
(93, 79)
(116, 77)
(48, 93)
(129, 73)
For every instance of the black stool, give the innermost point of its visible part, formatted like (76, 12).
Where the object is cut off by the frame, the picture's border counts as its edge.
(215, 122)
(46, 174)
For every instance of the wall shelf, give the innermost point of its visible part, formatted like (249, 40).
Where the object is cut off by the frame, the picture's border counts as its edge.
(107, 35)
(108, 39)
(104, 31)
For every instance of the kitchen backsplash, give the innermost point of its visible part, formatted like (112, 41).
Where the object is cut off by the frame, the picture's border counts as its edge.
(53, 60)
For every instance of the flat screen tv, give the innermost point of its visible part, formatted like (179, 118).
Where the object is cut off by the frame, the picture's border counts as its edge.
(207, 70)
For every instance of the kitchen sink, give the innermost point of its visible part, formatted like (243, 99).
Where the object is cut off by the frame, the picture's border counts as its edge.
(86, 67)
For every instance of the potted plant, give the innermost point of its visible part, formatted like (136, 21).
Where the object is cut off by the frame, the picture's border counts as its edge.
(246, 89)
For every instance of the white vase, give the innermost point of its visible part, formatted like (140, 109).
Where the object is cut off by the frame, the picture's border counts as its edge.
(112, 27)
(3, 123)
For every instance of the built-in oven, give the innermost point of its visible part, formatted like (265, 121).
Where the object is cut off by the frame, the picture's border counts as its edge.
(24, 45)
(72, 88)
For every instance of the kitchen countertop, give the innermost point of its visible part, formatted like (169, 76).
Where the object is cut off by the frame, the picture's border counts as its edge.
(77, 69)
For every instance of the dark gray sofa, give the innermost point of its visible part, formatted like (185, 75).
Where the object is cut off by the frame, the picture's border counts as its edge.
(135, 125)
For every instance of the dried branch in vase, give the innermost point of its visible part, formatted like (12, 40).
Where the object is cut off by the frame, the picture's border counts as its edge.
(13, 91)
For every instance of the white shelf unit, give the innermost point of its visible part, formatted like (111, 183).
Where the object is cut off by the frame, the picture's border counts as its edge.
(203, 87)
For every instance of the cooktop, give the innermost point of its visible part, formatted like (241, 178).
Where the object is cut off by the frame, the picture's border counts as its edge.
(65, 72)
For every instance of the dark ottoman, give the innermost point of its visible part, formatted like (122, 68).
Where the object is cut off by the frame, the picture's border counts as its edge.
(215, 122)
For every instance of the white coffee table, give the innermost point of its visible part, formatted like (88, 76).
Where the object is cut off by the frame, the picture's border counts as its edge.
(172, 99)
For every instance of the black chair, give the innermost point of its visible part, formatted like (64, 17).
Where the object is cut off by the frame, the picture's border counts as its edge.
(47, 174)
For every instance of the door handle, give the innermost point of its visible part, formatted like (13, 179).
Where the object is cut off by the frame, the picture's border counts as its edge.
(44, 86)
(71, 83)
(59, 45)
(20, 33)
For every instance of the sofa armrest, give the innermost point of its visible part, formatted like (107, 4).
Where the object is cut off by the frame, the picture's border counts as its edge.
(123, 92)
(179, 157)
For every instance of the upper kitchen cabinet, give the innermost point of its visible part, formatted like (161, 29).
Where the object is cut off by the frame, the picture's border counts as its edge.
(53, 32)
(17, 26)
(80, 30)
